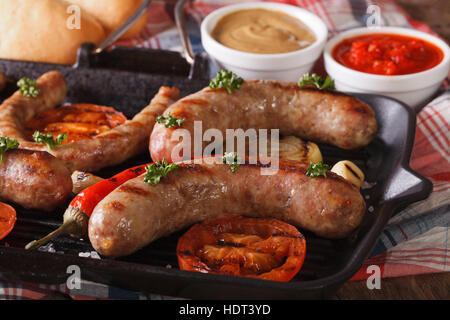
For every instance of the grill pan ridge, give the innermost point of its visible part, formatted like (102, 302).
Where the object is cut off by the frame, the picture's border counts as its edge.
(129, 86)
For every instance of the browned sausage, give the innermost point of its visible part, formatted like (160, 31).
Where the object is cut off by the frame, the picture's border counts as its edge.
(320, 116)
(137, 213)
(34, 179)
(106, 149)
(118, 144)
(17, 109)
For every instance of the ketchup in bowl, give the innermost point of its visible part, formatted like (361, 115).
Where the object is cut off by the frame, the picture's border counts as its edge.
(387, 54)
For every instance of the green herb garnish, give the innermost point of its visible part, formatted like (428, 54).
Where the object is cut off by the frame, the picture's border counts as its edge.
(157, 170)
(7, 144)
(227, 80)
(317, 169)
(231, 159)
(28, 87)
(316, 81)
(170, 121)
(48, 139)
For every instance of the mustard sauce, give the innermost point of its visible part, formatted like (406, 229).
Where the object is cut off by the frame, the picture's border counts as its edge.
(262, 31)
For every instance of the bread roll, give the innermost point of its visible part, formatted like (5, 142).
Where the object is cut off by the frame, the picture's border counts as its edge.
(112, 13)
(37, 30)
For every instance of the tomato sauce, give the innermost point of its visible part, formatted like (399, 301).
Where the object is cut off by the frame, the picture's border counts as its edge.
(387, 54)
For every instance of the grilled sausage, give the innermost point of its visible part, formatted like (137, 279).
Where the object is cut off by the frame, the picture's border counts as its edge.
(34, 180)
(106, 149)
(320, 116)
(137, 213)
(118, 144)
(17, 109)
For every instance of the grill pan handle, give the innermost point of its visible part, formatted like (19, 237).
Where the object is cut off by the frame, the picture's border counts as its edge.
(123, 28)
(407, 186)
(156, 61)
(180, 21)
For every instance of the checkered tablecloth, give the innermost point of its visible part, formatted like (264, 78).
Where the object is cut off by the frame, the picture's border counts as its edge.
(415, 240)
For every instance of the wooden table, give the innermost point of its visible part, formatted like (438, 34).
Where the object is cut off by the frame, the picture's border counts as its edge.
(435, 13)
(421, 287)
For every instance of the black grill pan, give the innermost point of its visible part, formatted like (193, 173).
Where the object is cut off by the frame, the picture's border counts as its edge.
(127, 78)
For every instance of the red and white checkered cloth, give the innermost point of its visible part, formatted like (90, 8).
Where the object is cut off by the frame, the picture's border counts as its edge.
(416, 240)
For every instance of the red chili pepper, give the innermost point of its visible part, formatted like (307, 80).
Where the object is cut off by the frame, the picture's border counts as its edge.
(7, 219)
(76, 217)
(87, 199)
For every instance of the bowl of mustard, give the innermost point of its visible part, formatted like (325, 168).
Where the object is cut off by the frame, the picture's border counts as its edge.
(264, 40)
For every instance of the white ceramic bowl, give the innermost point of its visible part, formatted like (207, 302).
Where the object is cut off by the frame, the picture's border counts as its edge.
(284, 66)
(413, 89)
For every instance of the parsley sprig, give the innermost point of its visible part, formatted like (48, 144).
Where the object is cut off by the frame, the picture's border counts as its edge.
(157, 170)
(316, 81)
(170, 121)
(227, 80)
(48, 139)
(232, 159)
(28, 87)
(317, 169)
(7, 144)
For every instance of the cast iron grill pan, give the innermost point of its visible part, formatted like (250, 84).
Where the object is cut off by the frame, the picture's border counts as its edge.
(154, 269)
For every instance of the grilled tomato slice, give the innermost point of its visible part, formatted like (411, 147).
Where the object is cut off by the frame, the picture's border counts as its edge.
(7, 219)
(78, 121)
(260, 248)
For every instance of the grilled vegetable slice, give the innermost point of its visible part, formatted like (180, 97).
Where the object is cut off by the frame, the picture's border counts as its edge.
(260, 248)
(294, 148)
(350, 172)
(7, 219)
(78, 121)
